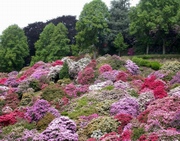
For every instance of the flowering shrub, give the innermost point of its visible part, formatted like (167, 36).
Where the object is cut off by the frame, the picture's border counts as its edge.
(53, 73)
(125, 106)
(71, 90)
(112, 136)
(104, 68)
(2, 81)
(86, 76)
(126, 135)
(109, 75)
(175, 79)
(132, 67)
(160, 113)
(39, 109)
(57, 62)
(156, 85)
(101, 85)
(124, 119)
(122, 85)
(173, 66)
(12, 100)
(122, 76)
(61, 128)
(105, 124)
(10, 118)
(148, 137)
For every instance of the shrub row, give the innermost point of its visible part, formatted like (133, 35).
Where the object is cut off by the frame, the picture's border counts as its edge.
(146, 63)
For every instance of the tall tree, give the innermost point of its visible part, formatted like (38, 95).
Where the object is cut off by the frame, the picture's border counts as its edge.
(155, 17)
(53, 43)
(14, 49)
(119, 19)
(41, 45)
(92, 26)
(58, 47)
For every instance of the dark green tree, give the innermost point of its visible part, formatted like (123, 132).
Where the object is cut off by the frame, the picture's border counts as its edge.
(41, 46)
(119, 43)
(157, 18)
(92, 26)
(13, 49)
(119, 19)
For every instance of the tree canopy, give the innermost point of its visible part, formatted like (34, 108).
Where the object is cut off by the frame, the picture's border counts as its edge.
(52, 44)
(13, 49)
(154, 18)
(92, 26)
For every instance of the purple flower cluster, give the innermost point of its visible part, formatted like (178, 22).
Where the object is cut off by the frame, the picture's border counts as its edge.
(176, 78)
(122, 85)
(39, 109)
(109, 75)
(132, 67)
(60, 129)
(125, 106)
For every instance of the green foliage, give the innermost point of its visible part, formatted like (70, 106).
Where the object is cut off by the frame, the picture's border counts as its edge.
(114, 61)
(18, 127)
(64, 72)
(119, 43)
(64, 81)
(146, 63)
(43, 123)
(26, 99)
(105, 124)
(13, 49)
(155, 65)
(83, 106)
(52, 92)
(52, 44)
(2, 104)
(92, 25)
(155, 18)
(35, 85)
(108, 88)
(137, 132)
(134, 93)
(103, 108)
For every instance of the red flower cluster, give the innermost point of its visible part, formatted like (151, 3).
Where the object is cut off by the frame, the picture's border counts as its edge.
(157, 86)
(10, 118)
(124, 119)
(143, 117)
(2, 81)
(151, 137)
(122, 76)
(92, 64)
(57, 62)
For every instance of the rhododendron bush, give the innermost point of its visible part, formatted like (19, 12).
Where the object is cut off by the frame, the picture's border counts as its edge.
(107, 99)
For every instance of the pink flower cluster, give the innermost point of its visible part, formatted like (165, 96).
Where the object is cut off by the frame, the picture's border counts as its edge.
(104, 68)
(86, 76)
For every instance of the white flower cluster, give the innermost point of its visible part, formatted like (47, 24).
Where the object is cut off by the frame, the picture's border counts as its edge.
(100, 85)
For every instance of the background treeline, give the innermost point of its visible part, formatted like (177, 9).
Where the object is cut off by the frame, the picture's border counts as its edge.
(151, 27)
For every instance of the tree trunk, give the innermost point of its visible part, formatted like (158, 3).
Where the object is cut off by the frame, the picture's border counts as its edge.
(147, 49)
(164, 47)
(119, 53)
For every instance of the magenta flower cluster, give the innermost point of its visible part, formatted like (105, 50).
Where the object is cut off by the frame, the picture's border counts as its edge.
(72, 90)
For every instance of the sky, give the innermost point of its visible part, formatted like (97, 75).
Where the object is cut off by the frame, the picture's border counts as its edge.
(24, 12)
